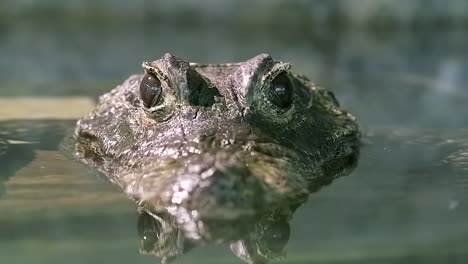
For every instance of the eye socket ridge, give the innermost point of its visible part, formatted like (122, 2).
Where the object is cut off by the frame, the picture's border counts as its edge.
(281, 90)
(150, 90)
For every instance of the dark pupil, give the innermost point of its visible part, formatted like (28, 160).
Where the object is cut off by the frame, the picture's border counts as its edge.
(281, 92)
(150, 90)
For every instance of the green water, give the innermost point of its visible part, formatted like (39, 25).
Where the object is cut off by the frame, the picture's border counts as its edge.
(402, 204)
(405, 203)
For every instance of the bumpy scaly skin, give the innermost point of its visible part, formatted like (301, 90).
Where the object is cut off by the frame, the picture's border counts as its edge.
(216, 147)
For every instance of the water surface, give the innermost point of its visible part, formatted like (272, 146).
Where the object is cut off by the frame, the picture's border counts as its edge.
(407, 200)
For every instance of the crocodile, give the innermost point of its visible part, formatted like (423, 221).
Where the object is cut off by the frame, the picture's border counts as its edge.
(218, 152)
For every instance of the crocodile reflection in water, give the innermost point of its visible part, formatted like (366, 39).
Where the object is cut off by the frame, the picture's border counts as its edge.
(257, 242)
(236, 143)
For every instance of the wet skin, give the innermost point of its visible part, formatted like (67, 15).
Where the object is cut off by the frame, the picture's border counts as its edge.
(209, 145)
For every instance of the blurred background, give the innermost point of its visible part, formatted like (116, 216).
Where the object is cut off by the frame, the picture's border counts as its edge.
(397, 65)
(390, 61)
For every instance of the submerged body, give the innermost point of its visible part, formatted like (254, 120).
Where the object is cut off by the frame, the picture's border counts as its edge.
(230, 143)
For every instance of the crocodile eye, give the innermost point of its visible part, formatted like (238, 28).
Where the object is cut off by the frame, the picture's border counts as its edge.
(332, 97)
(149, 229)
(276, 236)
(150, 90)
(281, 91)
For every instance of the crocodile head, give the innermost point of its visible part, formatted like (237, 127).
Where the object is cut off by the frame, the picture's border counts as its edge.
(218, 143)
